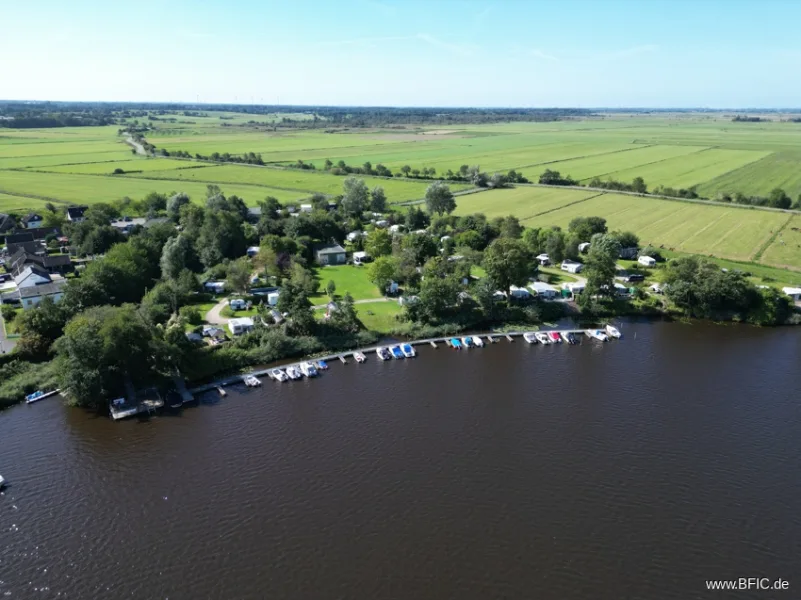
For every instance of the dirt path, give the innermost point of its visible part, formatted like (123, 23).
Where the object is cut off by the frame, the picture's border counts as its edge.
(214, 317)
(140, 149)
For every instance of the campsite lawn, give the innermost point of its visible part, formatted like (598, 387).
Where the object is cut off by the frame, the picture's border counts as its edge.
(347, 278)
(379, 316)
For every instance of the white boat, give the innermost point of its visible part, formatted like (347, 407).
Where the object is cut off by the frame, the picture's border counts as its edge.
(308, 369)
(252, 381)
(597, 334)
(279, 375)
(613, 331)
(543, 338)
(383, 354)
(408, 351)
(359, 356)
(294, 373)
(479, 343)
(2, 482)
(530, 337)
(467, 342)
(568, 337)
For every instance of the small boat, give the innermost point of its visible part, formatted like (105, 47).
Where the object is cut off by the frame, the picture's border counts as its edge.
(555, 337)
(396, 352)
(221, 391)
(479, 343)
(359, 356)
(597, 334)
(467, 341)
(408, 351)
(543, 338)
(294, 373)
(456, 343)
(569, 337)
(2, 482)
(383, 353)
(322, 365)
(530, 337)
(613, 332)
(31, 398)
(279, 375)
(308, 369)
(252, 381)
(174, 399)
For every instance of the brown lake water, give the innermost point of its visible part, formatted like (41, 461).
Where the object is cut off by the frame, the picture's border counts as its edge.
(635, 469)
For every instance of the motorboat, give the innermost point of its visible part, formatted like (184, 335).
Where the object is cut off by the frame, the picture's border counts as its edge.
(396, 352)
(308, 369)
(2, 482)
(359, 356)
(408, 351)
(478, 342)
(569, 337)
(279, 375)
(31, 398)
(322, 365)
(543, 338)
(456, 343)
(467, 341)
(597, 334)
(383, 353)
(613, 331)
(530, 337)
(555, 337)
(251, 381)
(294, 373)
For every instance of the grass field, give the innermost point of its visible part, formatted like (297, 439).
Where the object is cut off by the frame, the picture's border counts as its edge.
(19, 203)
(379, 316)
(731, 232)
(785, 250)
(347, 279)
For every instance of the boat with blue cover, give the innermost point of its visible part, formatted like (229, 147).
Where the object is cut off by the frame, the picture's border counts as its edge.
(456, 343)
(408, 351)
(396, 352)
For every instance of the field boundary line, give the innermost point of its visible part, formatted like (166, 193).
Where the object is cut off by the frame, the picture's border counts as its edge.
(757, 256)
(648, 163)
(550, 162)
(550, 210)
(36, 197)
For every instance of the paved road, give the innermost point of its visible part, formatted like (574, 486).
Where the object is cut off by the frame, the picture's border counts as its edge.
(214, 317)
(140, 149)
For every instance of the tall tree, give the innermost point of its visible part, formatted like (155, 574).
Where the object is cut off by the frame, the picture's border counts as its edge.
(356, 196)
(378, 199)
(439, 198)
(508, 262)
(175, 256)
(601, 264)
(378, 243)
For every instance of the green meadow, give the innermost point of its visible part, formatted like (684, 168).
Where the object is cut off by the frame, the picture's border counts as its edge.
(76, 165)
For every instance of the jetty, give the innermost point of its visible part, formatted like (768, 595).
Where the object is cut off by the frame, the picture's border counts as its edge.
(143, 402)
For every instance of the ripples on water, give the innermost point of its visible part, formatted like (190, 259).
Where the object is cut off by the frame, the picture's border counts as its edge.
(633, 470)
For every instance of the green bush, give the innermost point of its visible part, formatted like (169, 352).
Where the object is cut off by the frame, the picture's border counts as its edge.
(191, 314)
(8, 312)
(19, 378)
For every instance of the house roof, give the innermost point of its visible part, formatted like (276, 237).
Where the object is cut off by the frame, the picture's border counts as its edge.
(541, 286)
(16, 238)
(29, 247)
(330, 249)
(76, 212)
(46, 289)
(241, 321)
(21, 258)
(31, 217)
(31, 270)
(6, 222)
(791, 291)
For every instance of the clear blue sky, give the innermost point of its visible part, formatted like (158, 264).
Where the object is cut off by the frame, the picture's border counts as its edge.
(678, 53)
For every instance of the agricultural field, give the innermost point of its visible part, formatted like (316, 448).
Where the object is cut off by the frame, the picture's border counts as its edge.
(779, 169)
(20, 203)
(522, 202)
(133, 165)
(785, 250)
(306, 182)
(693, 227)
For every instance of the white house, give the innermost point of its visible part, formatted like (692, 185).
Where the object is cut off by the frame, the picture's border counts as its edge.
(216, 287)
(32, 275)
(33, 295)
(240, 325)
(647, 261)
(272, 298)
(382, 223)
(237, 304)
(793, 292)
(543, 290)
(571, 266)
(307, 208)
(544, 259)
(519, 293)
(75, 214)
(584, 247)
(32, 221)
(252, 251)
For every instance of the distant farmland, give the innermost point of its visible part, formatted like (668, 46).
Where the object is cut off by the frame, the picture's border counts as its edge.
(727, 232)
